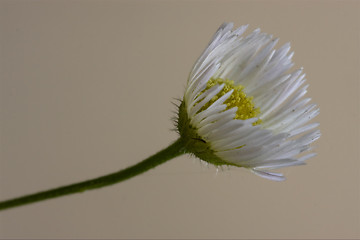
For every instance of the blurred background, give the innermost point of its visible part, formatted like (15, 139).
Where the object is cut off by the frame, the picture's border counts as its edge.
(86, 89)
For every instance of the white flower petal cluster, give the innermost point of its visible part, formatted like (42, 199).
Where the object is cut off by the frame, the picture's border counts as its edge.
(251, 61)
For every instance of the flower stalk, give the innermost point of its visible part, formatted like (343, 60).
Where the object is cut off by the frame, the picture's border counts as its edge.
(241, 107)
(174, 150)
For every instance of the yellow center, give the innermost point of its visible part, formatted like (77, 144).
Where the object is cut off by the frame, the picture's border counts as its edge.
(246, 108)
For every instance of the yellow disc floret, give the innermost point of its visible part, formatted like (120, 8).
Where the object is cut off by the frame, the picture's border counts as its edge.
(246, 108)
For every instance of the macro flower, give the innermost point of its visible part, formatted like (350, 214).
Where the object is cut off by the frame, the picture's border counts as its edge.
(243, 107)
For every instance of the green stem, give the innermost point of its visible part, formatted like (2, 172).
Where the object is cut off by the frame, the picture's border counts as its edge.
(172, 151)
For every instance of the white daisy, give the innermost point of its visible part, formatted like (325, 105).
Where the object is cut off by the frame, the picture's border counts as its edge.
(241, 107)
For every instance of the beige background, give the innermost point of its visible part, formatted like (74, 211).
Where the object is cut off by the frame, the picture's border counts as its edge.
(86, 89)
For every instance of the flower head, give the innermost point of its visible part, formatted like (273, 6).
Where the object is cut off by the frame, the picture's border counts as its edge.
(242, 107)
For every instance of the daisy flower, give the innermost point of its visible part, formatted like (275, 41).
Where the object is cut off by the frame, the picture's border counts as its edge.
(243, 107)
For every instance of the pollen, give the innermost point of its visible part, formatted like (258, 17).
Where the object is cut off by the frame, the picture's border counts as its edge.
(239, 99)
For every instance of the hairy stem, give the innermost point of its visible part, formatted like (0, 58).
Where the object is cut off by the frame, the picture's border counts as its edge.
(172, 151)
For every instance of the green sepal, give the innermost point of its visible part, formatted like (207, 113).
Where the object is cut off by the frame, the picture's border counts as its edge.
(193, 142)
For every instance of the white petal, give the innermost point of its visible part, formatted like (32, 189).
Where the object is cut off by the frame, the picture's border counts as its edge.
(303, 129)
(275, 164)
(218, 116)
(210, 111)
(199, 84)
(207, 129)
(269, 175)
(307, 156)
(217, 39)
(208, 95)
